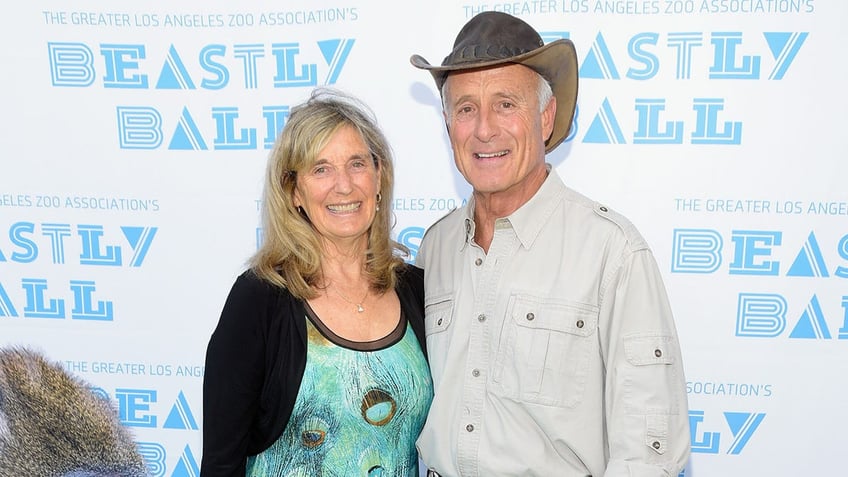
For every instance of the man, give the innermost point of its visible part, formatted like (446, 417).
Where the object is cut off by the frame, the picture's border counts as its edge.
(551, 340)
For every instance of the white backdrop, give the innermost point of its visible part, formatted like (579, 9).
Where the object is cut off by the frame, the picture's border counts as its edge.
(135, 136)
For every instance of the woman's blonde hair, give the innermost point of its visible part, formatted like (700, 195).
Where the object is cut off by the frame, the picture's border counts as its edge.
(290, 253)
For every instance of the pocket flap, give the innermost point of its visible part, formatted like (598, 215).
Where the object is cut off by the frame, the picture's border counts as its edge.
(437, 313)
(642, 350)
(656, 432)
(567, 317)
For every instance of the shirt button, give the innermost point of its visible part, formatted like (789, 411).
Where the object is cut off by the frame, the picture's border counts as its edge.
(658, 352)
(603, 209)
(470, 428)
(478, 262)
(439, 322)
(579, 323)
(481, 318)
(656, 445)
(530, 316)
(475, 373)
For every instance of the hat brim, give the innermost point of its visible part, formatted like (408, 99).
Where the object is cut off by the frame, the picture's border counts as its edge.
(555, 61)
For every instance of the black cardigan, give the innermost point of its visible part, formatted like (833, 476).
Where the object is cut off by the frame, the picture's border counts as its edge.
(255, 362)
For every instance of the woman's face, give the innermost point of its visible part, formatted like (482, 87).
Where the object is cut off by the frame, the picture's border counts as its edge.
(339, 191)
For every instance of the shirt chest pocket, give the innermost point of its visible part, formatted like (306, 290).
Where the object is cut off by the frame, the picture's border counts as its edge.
(438, 311)
(544, 350)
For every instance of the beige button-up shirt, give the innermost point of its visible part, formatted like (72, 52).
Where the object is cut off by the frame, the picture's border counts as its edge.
(556, 353)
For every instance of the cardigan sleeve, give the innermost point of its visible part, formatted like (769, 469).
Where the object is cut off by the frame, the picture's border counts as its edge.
(411, 293)
(233, 378)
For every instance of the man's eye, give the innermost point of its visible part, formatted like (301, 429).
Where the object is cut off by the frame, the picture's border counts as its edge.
(464, 113)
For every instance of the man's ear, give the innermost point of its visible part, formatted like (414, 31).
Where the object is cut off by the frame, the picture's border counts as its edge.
(548, 118)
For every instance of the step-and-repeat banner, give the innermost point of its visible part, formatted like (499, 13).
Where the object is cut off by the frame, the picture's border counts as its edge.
(135, 135)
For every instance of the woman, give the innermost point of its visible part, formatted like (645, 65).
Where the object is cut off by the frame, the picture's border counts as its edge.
(318, 363)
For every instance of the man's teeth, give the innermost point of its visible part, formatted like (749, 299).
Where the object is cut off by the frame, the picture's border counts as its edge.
(494, 154)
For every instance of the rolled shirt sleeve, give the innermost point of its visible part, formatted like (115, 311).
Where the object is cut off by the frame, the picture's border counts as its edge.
(645, 389)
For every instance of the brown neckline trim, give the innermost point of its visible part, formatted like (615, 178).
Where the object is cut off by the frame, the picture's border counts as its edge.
(390, 339)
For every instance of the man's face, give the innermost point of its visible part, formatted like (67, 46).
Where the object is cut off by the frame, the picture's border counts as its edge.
(496, 129)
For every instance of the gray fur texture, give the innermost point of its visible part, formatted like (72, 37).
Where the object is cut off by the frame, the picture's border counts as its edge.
(53, 425)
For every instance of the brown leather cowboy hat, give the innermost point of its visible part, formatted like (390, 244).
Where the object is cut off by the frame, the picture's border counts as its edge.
(494, 38)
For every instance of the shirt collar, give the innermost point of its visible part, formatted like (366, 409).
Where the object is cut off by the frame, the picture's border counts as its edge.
(529, 219)
(470, 226)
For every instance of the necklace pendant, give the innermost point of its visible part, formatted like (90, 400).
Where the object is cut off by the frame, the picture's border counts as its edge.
(360, 308)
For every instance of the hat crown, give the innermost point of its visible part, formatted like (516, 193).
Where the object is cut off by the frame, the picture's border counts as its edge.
(492, 36)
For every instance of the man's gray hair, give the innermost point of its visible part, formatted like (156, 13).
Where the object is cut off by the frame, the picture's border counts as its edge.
(543, 93)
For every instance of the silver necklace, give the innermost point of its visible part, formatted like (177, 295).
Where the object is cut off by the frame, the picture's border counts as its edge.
(359, 306)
